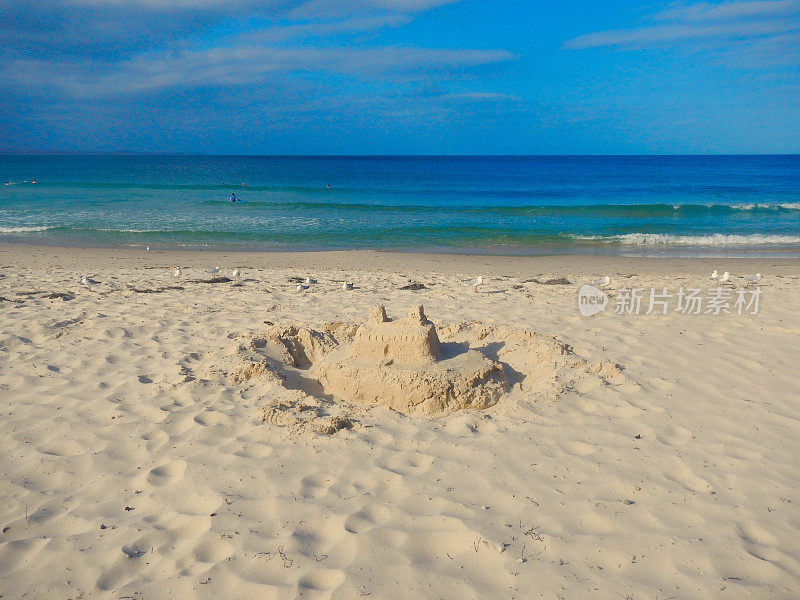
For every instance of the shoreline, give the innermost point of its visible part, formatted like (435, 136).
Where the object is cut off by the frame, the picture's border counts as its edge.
(37, 256)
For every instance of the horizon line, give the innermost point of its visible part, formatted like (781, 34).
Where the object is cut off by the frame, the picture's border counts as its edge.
(515, 155)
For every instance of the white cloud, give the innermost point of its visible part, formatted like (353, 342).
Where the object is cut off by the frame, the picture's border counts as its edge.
(702, 21)
(323, 28)
(337, 8)
(705, 11)
(242, 66)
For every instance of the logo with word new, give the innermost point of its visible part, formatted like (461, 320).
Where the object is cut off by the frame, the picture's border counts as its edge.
(591, 300)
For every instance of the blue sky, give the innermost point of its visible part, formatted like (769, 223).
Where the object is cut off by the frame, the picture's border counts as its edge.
(400, 76)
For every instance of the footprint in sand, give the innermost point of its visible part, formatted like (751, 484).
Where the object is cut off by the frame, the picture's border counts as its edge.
(21, 552)
(367, 518)
(759, 542)
(155, 438)
(211, 417)
(684, 476)
(212, 549)
(132, 558)
(254, 450)
(314, 486)
(675, 436)
(576, 448)
(166, 473)
(407, 464)
(62, 448)
(319, 583)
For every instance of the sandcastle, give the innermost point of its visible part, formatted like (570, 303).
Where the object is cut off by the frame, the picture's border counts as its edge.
(403, 365)
(317, 374)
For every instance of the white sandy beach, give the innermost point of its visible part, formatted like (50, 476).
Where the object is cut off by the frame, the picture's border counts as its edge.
(136, 464)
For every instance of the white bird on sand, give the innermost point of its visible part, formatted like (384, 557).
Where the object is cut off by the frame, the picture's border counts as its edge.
(213, 270)
(752, 278)
(301, 287)
(310, 280)
(725, 277)
(474, 283)
(177, 272)
(347, 285)
(602, 281)
(715, 274)
(87, 280)
(236, 273)
(147, 249)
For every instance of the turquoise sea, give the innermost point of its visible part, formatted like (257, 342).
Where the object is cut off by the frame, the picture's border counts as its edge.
(665, 205)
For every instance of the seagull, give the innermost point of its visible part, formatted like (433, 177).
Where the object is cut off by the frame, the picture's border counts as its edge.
(177, 272)
(147, 249)
(236, 273)
(715, 275)
(347, 285)
(602, 281)
(752, 278)
(87, 280)
(213, 270)
(301, 287)
(725, 277)
(479, 280)
(310, 280)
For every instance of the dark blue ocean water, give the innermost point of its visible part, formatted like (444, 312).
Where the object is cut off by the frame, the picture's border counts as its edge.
(515, 205)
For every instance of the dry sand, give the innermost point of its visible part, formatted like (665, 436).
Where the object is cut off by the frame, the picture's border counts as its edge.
(155, 446)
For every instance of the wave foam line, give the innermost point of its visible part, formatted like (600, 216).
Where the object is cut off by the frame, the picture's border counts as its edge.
(24, 229)
(717, 239)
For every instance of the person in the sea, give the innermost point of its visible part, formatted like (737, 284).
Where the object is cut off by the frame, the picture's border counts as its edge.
(234, 198)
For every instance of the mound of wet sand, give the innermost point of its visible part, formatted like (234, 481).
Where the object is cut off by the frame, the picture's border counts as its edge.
(405, 364)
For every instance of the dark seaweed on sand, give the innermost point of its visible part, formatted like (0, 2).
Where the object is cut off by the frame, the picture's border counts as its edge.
(557, 281)
(65, 296)
(213, 280)
(156, 290)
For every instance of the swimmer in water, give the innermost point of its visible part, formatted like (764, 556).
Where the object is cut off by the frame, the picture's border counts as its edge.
(234, 198)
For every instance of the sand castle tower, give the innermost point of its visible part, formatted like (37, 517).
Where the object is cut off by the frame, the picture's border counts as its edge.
(402, 364)
(409, 341)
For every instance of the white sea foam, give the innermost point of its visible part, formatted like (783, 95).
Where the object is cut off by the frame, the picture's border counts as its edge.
(760, 205)
(116, 230)
(717, 239)
(24, 229)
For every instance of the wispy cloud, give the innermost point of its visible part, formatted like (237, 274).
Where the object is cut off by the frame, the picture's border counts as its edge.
(703, 22)
(126, 46)
(243, 65)
(323, 28)
(704, 11)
